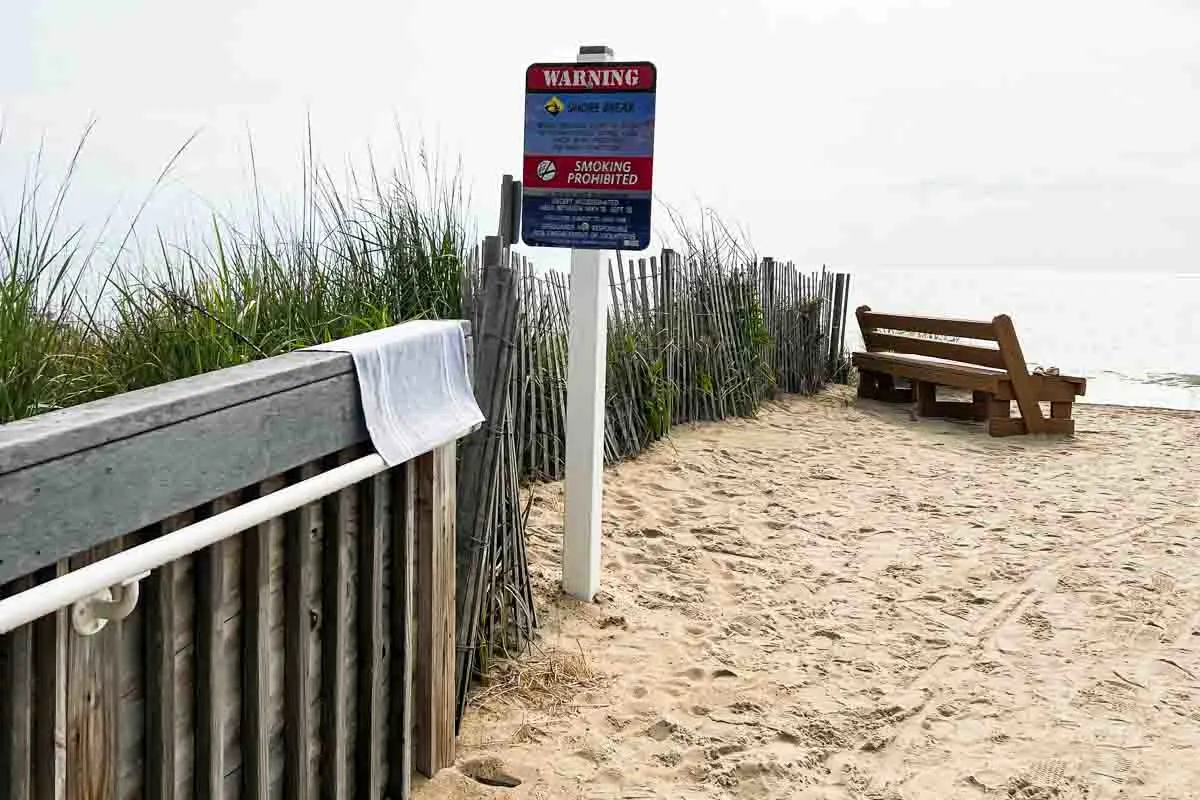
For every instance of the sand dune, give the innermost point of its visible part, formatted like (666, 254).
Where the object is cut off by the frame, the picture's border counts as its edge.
(835, 601)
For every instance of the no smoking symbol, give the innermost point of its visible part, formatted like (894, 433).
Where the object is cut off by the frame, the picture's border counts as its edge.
(546, 170)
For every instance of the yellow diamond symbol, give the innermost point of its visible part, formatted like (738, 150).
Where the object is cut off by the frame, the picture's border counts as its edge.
(554, 106)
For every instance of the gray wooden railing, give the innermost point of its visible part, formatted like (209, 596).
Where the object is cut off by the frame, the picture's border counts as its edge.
(311, 655)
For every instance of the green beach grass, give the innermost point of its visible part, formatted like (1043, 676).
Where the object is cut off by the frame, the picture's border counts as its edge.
(368, 253)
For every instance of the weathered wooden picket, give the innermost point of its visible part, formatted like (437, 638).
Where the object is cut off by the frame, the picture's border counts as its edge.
(311, 655)
(687, 341)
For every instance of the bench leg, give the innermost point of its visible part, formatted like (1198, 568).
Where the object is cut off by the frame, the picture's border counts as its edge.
(868, 385)
(890, 394)
(885, 386)
(1000, 421)
(981, 405)
(1060, 419)
(1060, 410)
(1001, 424)
(925, 404)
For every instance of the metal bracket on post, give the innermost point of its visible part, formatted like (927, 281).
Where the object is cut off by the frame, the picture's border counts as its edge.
(90, 615)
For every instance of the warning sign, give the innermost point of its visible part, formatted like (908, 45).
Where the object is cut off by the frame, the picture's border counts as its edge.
(589, 155)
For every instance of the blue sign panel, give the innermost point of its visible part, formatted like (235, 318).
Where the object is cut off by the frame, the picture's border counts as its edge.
(586, 220)
(589, 155)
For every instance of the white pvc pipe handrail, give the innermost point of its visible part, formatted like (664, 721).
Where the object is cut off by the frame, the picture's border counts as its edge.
(61, 592)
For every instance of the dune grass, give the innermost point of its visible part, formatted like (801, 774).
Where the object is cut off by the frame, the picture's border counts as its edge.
(367, 252)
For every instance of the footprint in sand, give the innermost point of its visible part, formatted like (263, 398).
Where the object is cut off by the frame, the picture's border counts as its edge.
(490, 771)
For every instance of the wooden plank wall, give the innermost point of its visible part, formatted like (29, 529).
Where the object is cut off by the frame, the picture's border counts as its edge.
(279, 663)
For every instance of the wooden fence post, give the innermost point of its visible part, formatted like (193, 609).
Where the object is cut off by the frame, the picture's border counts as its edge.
(481, 451)
(838, 323)
(434, 687)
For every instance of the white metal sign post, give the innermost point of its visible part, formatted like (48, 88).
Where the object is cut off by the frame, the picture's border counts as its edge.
(587, 354)
(589, 147)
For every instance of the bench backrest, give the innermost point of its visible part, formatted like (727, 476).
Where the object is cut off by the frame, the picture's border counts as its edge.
(892, 333)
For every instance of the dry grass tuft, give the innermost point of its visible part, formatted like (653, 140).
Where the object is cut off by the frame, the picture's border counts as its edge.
(547, 680)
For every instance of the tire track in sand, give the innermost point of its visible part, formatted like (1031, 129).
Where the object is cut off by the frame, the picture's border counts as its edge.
(1008, 608)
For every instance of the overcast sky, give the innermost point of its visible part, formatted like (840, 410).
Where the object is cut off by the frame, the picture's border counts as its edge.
(1062, 133)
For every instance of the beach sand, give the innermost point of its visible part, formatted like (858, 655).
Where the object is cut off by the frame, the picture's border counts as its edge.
(837, 601)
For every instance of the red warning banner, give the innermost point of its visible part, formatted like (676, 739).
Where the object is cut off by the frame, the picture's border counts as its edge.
(591, 173)
(576, 78)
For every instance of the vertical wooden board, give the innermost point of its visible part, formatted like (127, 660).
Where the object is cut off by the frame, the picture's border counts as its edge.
(277, 647)
(50, 698)
(185, 677)
(434, 679)
(158, 601)
(256, 649)
(389, 650)
(211, 684)
(370, 751)
(231, 659)
(300, 526)
(93, 673)
(351, 654)
(131, 693)
(17, 752)
(315, 630)
(402, 624)
(337, 524)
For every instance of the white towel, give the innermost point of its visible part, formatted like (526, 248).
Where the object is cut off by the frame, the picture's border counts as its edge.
(416, 393)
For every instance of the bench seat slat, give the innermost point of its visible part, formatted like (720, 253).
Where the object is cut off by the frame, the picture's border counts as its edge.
(936, 326)
(1058, 388)
(966, 376)
(965, 353)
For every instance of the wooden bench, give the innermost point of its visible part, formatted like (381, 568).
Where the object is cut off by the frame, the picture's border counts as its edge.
(996, 376)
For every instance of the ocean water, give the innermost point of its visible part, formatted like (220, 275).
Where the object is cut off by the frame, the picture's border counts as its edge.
(1135, 337)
